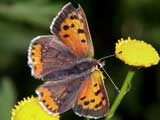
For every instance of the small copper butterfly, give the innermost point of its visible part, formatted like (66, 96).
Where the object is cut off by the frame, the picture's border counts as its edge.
(64, 60)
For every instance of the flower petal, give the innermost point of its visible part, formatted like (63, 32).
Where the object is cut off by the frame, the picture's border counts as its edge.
(136, 53)
(30, 109)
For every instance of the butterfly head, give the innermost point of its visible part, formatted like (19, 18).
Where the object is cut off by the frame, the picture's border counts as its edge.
(100, 64)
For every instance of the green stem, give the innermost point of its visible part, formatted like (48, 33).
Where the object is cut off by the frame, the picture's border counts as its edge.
(125, 88)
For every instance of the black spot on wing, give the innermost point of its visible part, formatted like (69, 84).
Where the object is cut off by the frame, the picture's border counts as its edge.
(65, 27)
(97, 92)
(93, 100)
(83, 40)
(80, 31)
(35, 67)
(72, 25)
(71, 17)
(98, 105)
(95, 85)
(32, 53)
(65, 35)
(47, 105)
(33, 60)
(86, 103)
(82, 98)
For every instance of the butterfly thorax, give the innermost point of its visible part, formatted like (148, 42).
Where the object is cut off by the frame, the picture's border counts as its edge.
(78, 69)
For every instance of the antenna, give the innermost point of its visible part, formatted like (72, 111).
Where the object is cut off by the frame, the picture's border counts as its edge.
(111, 80)
(112, 55)
(105, 57)
(102, 65)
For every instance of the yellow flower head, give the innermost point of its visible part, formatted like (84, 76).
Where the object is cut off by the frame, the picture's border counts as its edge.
(136, 53)
(30, 109)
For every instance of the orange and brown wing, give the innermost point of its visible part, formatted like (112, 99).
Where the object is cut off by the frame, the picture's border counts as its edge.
(46, 55)
(92, 100)
(58, 97)
(71, 26)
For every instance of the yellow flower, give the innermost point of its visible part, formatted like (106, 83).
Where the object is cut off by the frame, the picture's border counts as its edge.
(136, 53)
(30, 109)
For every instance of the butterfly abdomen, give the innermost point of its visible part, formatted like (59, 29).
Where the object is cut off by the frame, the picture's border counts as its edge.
(79, 69)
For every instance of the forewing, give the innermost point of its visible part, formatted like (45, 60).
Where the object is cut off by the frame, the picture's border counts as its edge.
(92, 100)
(71, 26)
(58, 96)
(48, 54)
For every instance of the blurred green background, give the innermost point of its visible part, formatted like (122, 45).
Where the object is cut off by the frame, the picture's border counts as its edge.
(22, 20)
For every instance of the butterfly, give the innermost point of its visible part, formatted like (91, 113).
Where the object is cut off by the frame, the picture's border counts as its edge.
(65, 62)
